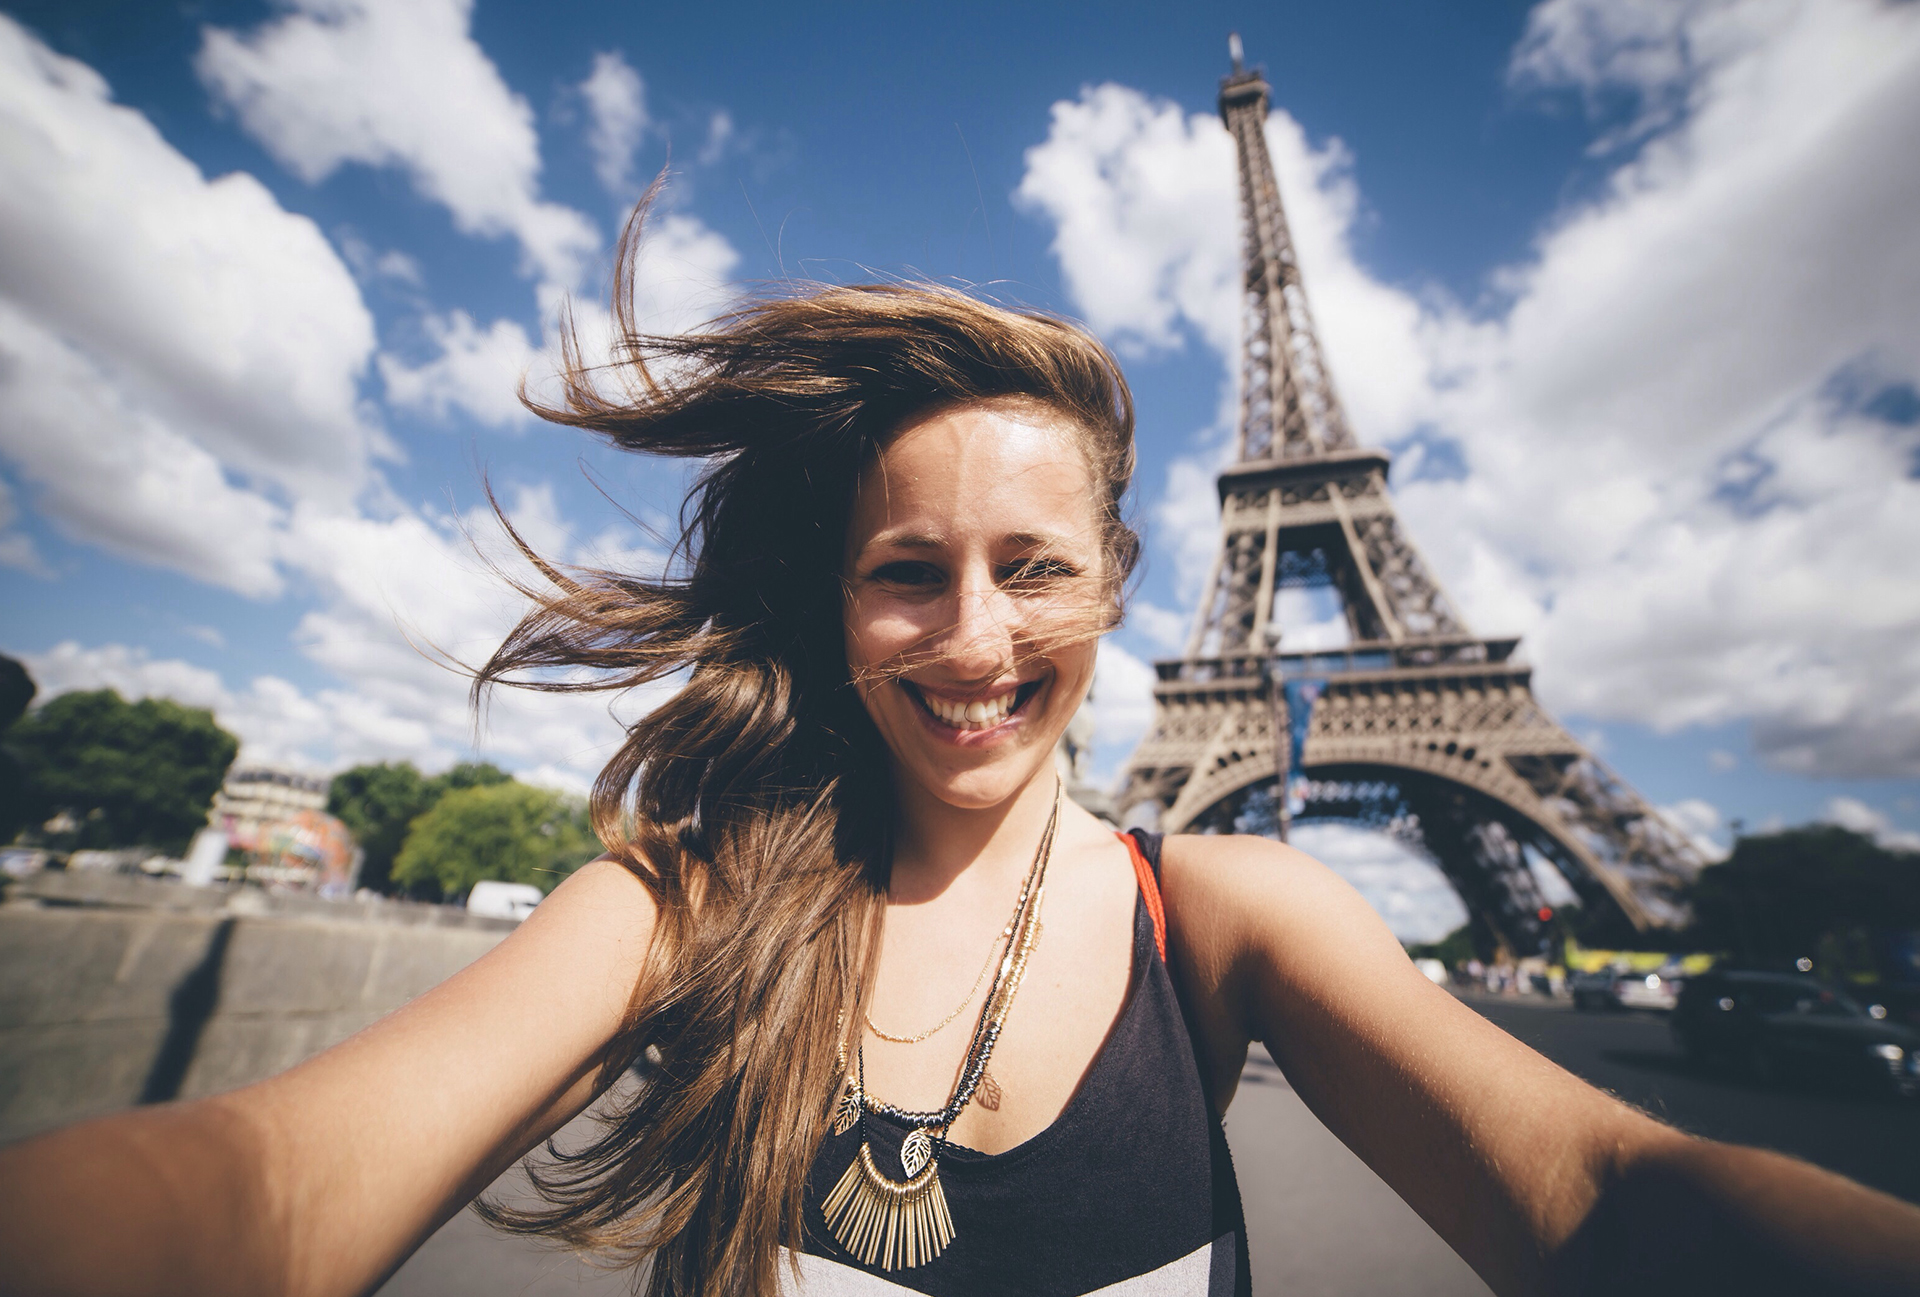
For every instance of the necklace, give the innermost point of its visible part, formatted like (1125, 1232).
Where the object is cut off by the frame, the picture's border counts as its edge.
(1006, 933)
(899, 1224)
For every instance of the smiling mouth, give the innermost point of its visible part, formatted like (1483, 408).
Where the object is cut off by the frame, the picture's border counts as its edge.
(978, 713)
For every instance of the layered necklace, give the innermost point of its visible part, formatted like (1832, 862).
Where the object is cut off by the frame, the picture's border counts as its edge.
(899, 1224)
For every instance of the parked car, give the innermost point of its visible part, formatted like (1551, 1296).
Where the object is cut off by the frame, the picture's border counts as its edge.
(1622, 988)
(1598, 989)
(1780, 1024)
(498, 900)
(1659, 990)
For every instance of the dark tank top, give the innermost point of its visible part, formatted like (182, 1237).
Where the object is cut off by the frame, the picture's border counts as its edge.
(1129, 1193)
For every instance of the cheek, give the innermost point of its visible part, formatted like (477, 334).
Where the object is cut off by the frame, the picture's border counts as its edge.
(1076, 663)
(877, 630)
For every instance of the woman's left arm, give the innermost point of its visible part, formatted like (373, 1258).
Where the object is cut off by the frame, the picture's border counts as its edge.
(1541, 1182)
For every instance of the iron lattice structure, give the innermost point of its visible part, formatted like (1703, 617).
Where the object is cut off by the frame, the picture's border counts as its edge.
(1423, 728)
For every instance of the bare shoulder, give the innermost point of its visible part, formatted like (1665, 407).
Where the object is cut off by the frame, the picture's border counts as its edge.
(600, 913)
(1255, 919)
(602, 887)
(1238, 886)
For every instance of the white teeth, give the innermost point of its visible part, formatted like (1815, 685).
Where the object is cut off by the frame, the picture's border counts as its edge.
(979, 714)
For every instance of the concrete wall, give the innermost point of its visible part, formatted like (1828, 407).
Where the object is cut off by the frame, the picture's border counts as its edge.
(106, 1005)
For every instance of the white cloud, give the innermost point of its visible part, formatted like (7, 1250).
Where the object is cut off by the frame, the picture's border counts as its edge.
(682, 279)
(343, 81)
(219, 310)
(176, 354)
(1702, 824)
(1186, 519)
(478, 371)
(395, 594)
(131, 484)
(1164, 628)
(1720, 760)
(721, 134)
(683, 276)
(1143, 204)
(404, 85)
(1122, 707)
(617, 108)
(398, 592)
(392, 265)
(1674, 488)
(1852, 813)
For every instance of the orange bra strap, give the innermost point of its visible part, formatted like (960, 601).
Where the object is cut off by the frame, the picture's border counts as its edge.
(1150, 891)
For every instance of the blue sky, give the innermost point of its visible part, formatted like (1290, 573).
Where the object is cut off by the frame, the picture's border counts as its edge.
(1624, 285)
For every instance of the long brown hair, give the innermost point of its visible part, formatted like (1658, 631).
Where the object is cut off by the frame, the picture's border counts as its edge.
(753, 803)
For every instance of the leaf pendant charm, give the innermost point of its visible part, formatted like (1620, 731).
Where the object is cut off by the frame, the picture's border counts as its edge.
(989, 1094)
(915, 1151)
(847, 1115)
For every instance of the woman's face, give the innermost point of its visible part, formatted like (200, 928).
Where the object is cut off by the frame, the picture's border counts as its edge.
(975, 584)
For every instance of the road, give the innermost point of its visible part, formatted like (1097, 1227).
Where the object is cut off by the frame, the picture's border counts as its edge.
(1321, 1223)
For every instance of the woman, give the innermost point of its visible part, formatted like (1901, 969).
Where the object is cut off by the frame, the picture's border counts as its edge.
(908, 1020)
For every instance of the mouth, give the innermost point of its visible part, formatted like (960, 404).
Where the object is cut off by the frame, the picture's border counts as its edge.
(974, 715)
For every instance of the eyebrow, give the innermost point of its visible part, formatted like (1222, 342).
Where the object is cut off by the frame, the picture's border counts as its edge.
(903, 540)
(916, 540)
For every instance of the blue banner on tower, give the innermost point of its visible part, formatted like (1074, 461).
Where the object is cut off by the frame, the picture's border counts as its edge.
(1301, 696)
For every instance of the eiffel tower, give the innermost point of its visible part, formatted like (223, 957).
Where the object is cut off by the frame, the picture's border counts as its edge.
(1420, 728)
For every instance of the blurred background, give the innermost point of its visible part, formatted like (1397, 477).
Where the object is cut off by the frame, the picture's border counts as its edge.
(1630, 291)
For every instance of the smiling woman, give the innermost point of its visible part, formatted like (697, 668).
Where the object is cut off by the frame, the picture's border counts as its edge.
(883, 611)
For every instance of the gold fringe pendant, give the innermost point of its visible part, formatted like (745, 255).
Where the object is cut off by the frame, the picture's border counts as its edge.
(885, 1222)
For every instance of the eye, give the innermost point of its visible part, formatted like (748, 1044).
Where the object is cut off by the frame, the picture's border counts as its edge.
(1033, 571)
(906, 572)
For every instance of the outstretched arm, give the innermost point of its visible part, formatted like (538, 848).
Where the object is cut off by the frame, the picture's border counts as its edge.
(323, 1179)
(1541, 1182)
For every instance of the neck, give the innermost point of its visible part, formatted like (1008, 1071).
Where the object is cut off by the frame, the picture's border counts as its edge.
(937, 844)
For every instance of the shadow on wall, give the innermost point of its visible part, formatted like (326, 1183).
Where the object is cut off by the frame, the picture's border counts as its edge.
(188, 1008)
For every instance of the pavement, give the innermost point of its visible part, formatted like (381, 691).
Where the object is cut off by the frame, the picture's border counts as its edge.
(1319, 1222)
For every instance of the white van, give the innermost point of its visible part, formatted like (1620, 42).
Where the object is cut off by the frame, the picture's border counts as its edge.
(498, 900)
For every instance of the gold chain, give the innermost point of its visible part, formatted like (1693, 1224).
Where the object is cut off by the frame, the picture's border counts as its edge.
(947, 1021)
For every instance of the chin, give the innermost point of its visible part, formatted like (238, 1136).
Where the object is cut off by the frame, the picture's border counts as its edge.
(977, 790)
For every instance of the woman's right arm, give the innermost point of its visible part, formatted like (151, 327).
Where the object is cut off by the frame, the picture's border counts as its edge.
(323, 1179)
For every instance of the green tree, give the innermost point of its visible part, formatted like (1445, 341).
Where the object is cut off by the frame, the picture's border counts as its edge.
(380, 802)
(1779, 896)
(129, 774)
(377, 803)
(16, 691)
(466, 774)
(508, 831)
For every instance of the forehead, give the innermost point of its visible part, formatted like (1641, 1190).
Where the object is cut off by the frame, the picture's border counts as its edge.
(977, 471)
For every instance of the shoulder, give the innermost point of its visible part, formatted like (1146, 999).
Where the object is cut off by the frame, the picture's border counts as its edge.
(599, 922)
(601, 894)
(1227, 881)
(1247, 907)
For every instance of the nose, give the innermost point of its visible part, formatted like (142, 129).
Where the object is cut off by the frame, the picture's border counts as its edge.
(981, 642)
